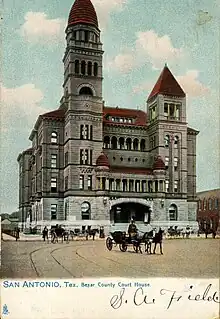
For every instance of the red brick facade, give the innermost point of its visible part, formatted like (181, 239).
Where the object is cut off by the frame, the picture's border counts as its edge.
(208, 210)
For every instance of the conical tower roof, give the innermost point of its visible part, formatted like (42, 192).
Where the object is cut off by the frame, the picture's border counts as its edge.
(167, 85)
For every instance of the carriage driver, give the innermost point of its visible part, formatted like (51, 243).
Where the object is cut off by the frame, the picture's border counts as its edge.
(132, 230)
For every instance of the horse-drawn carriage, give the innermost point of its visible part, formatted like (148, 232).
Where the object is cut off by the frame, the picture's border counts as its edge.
(59, 232)
(121, 239)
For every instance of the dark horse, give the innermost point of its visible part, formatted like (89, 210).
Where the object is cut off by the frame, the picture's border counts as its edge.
(91, 233)
(148, 238)
(57, 233)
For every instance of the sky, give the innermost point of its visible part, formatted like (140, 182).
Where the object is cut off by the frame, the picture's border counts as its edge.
(139, 37)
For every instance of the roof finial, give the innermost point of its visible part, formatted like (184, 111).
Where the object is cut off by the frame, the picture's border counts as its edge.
(166, 64)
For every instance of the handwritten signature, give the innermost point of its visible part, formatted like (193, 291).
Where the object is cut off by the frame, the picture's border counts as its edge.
(140, 297)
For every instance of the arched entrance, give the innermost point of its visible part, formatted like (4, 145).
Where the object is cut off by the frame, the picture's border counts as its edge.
(123, 212)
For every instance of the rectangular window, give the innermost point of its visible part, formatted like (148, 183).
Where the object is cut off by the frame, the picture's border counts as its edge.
(137, 186)
(81, 157)
(89, 182)
(111, 183)
(175, 163)
(124, 185)
(53, 185)
(81, 132)
(103, 183)
(53, 160)
(53, 211)
(167, 186)
(66, 210)
(166, 110)
(53, 138)
(86, 157)
(81, 182)
(210, 204)
(175, 186)
(91, 132)
(131, 185)
(156, 186)
(172, 110)
(66, 183)
(177, 112)
(143, 186)
(118, 185)
(166, 162)
(150, 186)
(216, 203)
(66, 158)
(90, 157)
(84, 132)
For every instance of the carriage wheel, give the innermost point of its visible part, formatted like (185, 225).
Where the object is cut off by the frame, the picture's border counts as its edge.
(123, 247)
(109, 243)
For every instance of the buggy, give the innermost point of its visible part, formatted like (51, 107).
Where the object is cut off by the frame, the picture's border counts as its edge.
(123, 241)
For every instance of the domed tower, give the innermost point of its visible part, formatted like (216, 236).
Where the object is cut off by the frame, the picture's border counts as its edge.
(83, 103)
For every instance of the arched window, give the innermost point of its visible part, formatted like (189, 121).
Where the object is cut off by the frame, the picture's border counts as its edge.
(114, 143)
(85, 91)
(173, 213)
(77, 67)
(89, 68)
(106, 142)
(86, 211)
(54, 137)
(128, 144)
(83, 67)
(166, 141)
(121, 143)
(135, 144)
(95, 71)
(142, 145)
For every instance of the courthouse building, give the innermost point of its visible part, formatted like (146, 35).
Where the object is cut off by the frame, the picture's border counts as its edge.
(92, 164)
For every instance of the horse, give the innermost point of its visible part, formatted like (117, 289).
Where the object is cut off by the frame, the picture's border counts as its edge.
(59, 232)
(91, 233)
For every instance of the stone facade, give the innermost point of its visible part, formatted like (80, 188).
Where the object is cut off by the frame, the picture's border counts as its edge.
(150, 158)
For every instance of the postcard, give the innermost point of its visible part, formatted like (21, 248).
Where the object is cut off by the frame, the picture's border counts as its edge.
(110, 198)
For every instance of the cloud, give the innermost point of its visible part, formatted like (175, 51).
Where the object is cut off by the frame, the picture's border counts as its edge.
(124, 63)
(149, 48)
(39, 28)
(158, 50)
(21, 105)
(189, 82)
(105, 8)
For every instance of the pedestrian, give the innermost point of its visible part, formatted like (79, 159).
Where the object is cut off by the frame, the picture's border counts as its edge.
(17, 234)
(158, 238)
(45, 233)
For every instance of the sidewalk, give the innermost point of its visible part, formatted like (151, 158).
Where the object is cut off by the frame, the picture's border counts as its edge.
(38, 238)
(23, 237)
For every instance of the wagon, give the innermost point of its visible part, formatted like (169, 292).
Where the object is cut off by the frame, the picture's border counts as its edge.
(119, 238)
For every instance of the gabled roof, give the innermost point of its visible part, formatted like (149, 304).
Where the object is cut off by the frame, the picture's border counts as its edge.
(167, 85)
(140, 117)
(83, 12)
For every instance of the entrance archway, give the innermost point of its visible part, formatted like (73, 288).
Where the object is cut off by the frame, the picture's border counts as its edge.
(123, 212)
